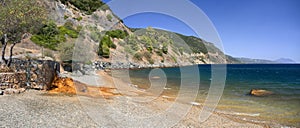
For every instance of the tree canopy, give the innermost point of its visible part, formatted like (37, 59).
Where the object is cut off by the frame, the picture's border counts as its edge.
(20, 16)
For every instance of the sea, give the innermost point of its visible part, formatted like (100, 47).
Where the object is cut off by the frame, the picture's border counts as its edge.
(235, 82)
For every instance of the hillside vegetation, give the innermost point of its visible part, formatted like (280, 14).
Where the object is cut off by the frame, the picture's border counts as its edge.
(85, 23)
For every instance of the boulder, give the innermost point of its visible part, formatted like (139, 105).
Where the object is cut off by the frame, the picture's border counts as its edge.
(260, 92)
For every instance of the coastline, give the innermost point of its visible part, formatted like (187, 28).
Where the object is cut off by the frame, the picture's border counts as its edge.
(193, 115)
(61, 110)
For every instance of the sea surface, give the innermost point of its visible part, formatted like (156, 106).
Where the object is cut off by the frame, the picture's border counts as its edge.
(283, 80)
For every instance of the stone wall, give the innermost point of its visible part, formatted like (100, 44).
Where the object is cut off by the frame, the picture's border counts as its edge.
(37, 74)
(12, 80)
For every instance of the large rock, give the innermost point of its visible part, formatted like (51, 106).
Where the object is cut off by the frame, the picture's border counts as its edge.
(260, 92)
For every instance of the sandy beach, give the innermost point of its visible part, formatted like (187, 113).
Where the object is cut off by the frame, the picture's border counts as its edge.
(108, 108)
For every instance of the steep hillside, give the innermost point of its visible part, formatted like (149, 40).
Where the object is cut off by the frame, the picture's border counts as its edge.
(89, 31)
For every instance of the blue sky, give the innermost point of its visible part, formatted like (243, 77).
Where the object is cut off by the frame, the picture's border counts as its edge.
(264, 29)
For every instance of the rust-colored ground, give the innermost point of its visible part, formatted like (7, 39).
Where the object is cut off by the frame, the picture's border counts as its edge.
(70, 87)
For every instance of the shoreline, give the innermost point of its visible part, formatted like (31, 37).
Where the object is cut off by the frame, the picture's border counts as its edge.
(165, 97)
(98, 106)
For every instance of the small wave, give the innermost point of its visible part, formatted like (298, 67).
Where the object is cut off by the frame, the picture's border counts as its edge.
(167, 97)
(241, 114)
(195, 103)
(247, 114)
(167, 88)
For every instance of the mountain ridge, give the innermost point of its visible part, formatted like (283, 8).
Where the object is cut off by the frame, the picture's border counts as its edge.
(100, 33)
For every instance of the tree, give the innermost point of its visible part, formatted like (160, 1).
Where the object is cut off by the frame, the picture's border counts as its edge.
(18, 18)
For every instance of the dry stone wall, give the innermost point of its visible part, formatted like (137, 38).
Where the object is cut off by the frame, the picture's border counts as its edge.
(37, 74)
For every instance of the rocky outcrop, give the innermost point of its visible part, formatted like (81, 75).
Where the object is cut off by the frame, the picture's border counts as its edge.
(260, 92)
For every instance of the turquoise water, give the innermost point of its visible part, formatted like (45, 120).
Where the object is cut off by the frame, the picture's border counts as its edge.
(283, 79)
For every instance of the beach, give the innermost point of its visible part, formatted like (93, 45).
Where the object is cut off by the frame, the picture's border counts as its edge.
(41, 109)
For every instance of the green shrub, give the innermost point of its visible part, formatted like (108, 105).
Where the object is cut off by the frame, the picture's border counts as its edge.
(109, 17)
(49, 36)
(165, 48)
(104, 7)
(138, 56)
(66, 17)
(95, 16)
(196, 45)
(106, 51)
(159, 52)
(149, 47)
(66, 51)
(70, 32)
(104, 46)
(117, 34)
(45, 41)
(88, 6)
(174, 59)
(48, 53)
(107, 41)
(79, 18)
(147, 55)
(181, 50)
(95, 36)
(114, 46)
(129, 50)
(151, 61)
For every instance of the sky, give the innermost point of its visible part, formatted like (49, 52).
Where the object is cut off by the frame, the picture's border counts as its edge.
(260, 29)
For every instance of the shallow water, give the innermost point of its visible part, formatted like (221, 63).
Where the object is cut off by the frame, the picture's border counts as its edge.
(283, 79)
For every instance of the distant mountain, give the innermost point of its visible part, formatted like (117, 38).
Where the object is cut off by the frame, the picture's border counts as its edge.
(284, 60)
(254, 61)
(263, 61)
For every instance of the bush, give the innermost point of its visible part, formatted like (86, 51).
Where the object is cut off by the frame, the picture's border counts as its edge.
(159, 52)
(109, 17)
(149, 47)
(66, 51)
(106, 51)
(165, 48)
(129, 50)
(48, 53)
(95, 16)
(49, 36)
(70, 32)
(117, 34)
(66, 17)
(197, 45)
(138, 56)
(88, 6)
(114, 46)
(79, 18)
(95, 36)
(104, 7)
(104, 46)
(181, 50)
(147, 55)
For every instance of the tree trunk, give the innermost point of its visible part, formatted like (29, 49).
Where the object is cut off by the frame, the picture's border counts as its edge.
(11, 54)
(4, 44)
